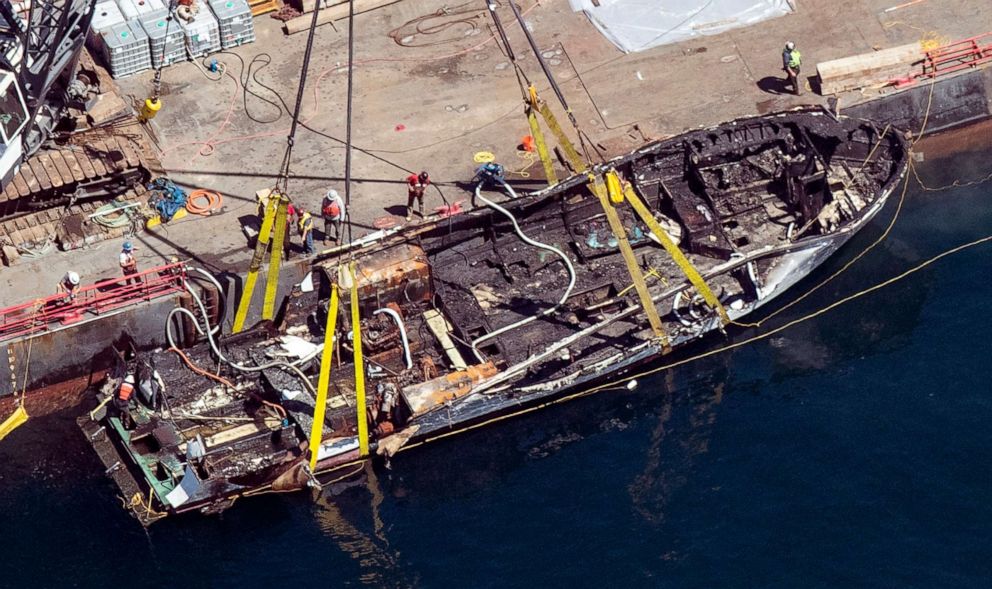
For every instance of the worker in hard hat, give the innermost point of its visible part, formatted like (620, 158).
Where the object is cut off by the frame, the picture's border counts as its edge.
(122, 401)
(306, 232)
(332, 209)
(69, 285)
(416, 184)
(791, 63)
(129, 265)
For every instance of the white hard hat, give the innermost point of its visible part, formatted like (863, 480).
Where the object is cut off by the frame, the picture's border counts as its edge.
(73, 277)
(332, 193)
(790, 45)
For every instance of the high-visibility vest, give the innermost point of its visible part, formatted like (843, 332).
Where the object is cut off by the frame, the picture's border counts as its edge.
(306, 223)
(795, 58)
(127, 388)
(332, 209)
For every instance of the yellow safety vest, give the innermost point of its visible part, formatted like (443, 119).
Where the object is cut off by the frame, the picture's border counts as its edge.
(306, 223)
(795, 58)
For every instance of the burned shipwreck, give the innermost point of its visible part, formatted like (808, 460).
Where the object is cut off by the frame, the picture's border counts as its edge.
(513, 303)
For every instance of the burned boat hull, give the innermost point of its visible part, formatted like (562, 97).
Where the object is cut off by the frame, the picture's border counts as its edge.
(517, 303)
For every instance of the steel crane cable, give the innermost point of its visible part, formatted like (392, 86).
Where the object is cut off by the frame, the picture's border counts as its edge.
(349, 113)
(283, 180)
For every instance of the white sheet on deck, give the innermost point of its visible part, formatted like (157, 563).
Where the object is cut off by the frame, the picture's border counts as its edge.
(636, 25)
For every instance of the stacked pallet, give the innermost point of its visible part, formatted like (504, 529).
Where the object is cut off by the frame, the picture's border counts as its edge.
(869, 69)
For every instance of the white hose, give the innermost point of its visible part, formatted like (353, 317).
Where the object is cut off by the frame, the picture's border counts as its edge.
(529, 241)
(220, 355)
(399, 323)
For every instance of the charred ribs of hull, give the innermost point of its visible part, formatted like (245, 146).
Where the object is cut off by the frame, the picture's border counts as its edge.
(464, 320)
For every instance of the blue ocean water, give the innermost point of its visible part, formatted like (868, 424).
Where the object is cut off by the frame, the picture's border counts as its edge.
(852, 450)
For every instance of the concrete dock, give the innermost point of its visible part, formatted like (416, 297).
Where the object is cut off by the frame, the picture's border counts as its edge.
(433, 106)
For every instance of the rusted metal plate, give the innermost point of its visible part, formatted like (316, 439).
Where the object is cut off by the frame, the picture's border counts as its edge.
(62, 167)
(50, 169)
(74, 166)
(424, 396)
(84, 162)
(39, 172)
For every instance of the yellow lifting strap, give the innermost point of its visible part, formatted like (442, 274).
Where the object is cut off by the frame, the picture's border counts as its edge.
(356, 325)
(272, 280)
(255, 265)
(631, 260)
(16, 420)
(563, 141)
(324, 380)
(673, 250)
(542, 147)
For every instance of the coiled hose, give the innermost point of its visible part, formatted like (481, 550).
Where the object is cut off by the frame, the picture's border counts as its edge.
(516, 227)
(121, 220)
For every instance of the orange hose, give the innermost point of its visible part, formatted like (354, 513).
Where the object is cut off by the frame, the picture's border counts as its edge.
(279, 408)
(214, 201)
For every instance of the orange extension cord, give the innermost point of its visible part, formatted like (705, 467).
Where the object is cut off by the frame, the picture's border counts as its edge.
(214, 201)
(278, 408)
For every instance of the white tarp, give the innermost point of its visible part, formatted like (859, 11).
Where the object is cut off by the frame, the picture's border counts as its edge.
(636, 25)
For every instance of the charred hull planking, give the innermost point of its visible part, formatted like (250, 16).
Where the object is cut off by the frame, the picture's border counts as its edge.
(756, 205)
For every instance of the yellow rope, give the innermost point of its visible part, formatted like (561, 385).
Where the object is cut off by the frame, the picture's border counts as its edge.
(955, 184)
(138, 501)
(643, 374)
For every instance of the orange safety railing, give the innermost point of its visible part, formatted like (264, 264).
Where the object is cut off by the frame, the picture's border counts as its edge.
(91, 301)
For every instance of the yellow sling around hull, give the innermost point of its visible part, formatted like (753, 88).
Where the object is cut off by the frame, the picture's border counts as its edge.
(324, 380)
(16, 420)
(363, 426)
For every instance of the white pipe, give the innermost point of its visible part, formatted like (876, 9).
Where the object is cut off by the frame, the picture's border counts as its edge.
(216, 349)
(399, 323)
(529, 241)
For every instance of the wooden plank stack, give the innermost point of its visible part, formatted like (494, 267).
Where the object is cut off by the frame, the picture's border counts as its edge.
(867, 69)
(330, 11)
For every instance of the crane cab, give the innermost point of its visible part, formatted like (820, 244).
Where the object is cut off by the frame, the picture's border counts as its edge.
(13, 118)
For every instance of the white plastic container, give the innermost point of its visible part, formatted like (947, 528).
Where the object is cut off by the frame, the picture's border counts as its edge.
(132, 9)
(105, 15)
(237, 26)
(125, 49)
(167, 38)
(202, 33)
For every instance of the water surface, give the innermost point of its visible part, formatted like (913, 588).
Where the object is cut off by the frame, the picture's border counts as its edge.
(853, 450)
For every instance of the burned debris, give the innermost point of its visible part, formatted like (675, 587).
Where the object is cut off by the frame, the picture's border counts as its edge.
(505, 306)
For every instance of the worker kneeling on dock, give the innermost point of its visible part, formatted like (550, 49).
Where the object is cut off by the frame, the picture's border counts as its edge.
(69, 286)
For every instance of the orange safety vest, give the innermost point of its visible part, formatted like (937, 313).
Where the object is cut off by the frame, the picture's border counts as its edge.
(126, 389)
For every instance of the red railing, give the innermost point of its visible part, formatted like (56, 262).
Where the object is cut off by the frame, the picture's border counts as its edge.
(91, 301)
(967, 53)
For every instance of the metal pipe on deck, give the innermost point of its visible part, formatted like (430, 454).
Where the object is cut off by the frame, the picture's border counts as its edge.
(399, 323)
